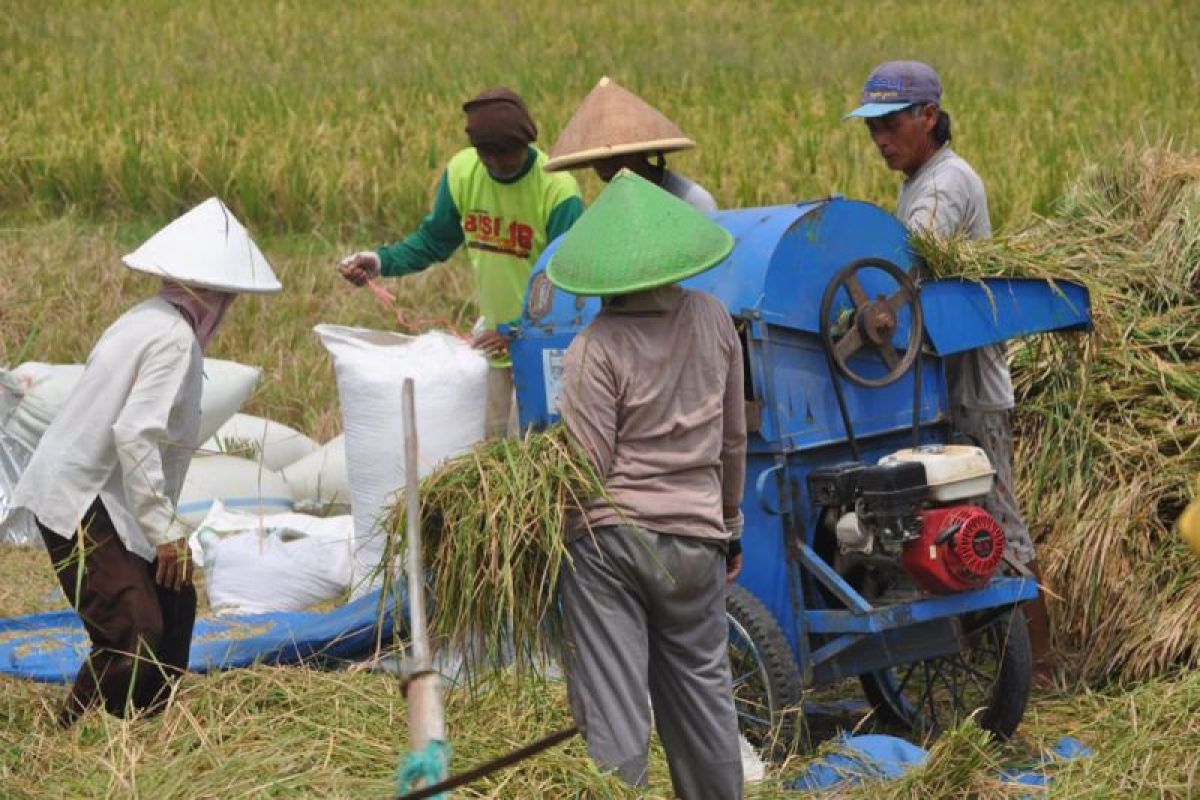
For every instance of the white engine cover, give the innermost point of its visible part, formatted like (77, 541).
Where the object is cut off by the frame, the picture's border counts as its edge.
(954, 472)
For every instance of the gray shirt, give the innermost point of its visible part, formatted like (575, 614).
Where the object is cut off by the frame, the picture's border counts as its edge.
(947, 197)
(652, 391)
(689, 191)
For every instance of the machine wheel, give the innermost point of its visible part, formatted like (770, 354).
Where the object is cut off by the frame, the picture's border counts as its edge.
(767, 687)
(992, 672)
(872, 323)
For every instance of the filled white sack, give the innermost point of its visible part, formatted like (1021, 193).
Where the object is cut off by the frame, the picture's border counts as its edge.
(227, 386)
(238, 483)
(274, 444)
(319, 479)
(450, 380)
(32, 394)
(272, 562)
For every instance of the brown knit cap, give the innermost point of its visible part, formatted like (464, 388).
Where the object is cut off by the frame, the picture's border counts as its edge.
(498, 119)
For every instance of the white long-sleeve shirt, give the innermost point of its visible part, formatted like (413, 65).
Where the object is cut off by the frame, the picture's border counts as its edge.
(126, 434)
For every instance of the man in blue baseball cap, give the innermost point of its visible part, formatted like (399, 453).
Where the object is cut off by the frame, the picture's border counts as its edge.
(901, 105)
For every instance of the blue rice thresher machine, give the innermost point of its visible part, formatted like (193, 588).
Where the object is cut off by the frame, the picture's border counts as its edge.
(867, 553)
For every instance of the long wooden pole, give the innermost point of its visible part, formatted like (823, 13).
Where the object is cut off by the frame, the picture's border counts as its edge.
(426, 720)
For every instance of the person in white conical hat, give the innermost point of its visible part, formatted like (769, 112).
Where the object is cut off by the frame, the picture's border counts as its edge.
(103, 482)
(614, 129)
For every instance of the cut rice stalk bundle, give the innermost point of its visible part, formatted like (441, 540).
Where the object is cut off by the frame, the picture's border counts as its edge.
(493, 522)
(1108, 426)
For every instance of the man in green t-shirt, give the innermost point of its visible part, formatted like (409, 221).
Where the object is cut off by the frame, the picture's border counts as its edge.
(495, 198)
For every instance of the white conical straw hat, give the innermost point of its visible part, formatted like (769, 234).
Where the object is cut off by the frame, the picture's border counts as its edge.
(206, 247)
(612, 121)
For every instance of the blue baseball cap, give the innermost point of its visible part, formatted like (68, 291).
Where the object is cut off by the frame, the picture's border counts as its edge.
(895, 85)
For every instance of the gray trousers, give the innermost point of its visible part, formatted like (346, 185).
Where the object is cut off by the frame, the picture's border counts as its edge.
(645, 614)
(992, 430)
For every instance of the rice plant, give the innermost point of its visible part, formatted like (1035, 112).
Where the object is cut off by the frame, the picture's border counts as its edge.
(493, 526)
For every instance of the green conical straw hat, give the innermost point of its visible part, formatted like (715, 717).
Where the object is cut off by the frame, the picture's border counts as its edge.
(636, 237)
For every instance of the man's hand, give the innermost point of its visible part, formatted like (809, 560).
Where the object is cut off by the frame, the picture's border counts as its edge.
(173, 565)
(735, 523)
(733, 568)
(360, 267)
(493, 343)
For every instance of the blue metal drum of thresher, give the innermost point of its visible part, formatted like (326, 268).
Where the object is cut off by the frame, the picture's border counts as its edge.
(773, 283)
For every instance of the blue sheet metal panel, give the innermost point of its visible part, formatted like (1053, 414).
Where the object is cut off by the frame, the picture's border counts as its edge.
(869, 653)
(766, 571)
(962, 315)
(537, 365)
(820, 243)
(551, 318)
(791, 375)
(740, 281)
(737, 281)
(565, 312)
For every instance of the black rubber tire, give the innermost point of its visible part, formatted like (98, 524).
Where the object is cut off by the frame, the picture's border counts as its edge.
(784, 686)
(1005, 706)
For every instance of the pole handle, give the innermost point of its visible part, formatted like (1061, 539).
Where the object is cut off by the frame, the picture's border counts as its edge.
(412, 503)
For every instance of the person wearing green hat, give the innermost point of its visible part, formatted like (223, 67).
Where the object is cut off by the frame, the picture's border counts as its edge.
(495, 199)
(652, 391)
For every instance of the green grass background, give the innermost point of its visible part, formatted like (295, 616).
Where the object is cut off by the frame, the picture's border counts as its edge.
(325, 127)
(323, 117)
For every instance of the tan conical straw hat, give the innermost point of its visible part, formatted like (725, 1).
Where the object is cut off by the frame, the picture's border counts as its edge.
(612, 121)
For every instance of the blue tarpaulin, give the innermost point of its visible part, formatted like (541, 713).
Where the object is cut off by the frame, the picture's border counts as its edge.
(50, 647)
(878, 757)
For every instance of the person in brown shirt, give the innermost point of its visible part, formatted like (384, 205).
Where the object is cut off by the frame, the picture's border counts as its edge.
(652, 391)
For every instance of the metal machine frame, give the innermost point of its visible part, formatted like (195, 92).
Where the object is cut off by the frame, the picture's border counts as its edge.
(799, 417)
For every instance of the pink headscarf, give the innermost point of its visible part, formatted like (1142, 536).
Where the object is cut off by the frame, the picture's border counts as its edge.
(203, 308)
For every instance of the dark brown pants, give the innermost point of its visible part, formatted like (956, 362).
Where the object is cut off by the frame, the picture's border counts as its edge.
(140, 632)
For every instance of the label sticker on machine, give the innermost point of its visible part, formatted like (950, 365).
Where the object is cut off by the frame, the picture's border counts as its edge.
(552, 367)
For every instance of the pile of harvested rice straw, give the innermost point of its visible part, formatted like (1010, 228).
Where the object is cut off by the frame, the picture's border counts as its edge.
(493, 523)
(1108, 425)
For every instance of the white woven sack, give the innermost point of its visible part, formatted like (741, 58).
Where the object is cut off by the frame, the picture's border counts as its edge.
(451, 397)
(227, 385)
(271, 443)
(32, 394)
(238, 483)
(319, 479)
(273, 562)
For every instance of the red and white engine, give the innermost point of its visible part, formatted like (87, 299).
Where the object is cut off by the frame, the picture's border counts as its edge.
(959, 548)
(918, 507)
